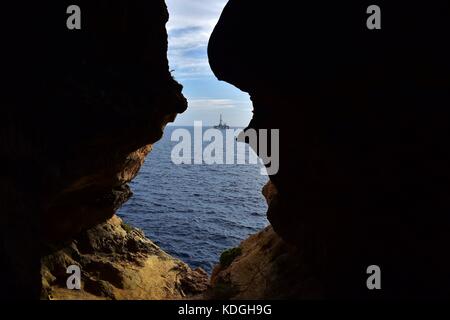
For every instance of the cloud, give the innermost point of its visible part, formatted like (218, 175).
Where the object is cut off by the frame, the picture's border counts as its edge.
(192, 13)
(190, 25)
(188, 66)
(222, 104)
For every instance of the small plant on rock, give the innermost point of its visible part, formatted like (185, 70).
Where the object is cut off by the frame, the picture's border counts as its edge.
(228, 256)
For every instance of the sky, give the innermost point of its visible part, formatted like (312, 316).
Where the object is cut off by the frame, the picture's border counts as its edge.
(190, 25)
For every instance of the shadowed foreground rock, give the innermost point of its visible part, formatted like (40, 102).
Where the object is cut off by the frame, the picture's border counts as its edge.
(364, 126)
(80, 111)
(364, 166)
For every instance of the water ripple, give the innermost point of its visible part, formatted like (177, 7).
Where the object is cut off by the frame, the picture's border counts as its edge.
(195, 212)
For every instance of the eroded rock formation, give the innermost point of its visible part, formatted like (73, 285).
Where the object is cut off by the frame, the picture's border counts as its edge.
(363, 116)
(81, 109)
(364, 173)
(118, 262)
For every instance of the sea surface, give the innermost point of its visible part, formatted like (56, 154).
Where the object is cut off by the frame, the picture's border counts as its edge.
(195, 212)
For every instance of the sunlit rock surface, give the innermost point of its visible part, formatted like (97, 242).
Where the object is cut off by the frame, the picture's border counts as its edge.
(119, 263)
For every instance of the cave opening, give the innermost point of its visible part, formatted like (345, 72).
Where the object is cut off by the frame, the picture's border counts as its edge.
(196, 212)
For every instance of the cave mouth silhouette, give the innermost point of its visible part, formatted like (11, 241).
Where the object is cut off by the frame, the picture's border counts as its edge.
(196, 212)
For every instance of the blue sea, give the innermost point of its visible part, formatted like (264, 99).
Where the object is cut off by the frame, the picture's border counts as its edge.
(195, 212)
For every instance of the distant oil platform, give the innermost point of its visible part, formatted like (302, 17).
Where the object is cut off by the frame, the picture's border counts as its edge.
(222, 125)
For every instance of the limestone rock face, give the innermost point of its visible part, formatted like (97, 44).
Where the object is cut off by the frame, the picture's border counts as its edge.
(81, 109)
(267, 268)
(118, 262)
(364, 175)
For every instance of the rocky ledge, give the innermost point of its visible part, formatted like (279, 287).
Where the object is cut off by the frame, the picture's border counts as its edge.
(117, 262)
(264, 266)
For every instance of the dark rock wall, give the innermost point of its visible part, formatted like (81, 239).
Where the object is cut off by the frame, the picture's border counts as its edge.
(364, 126)
(80, 110)
(363, 115)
